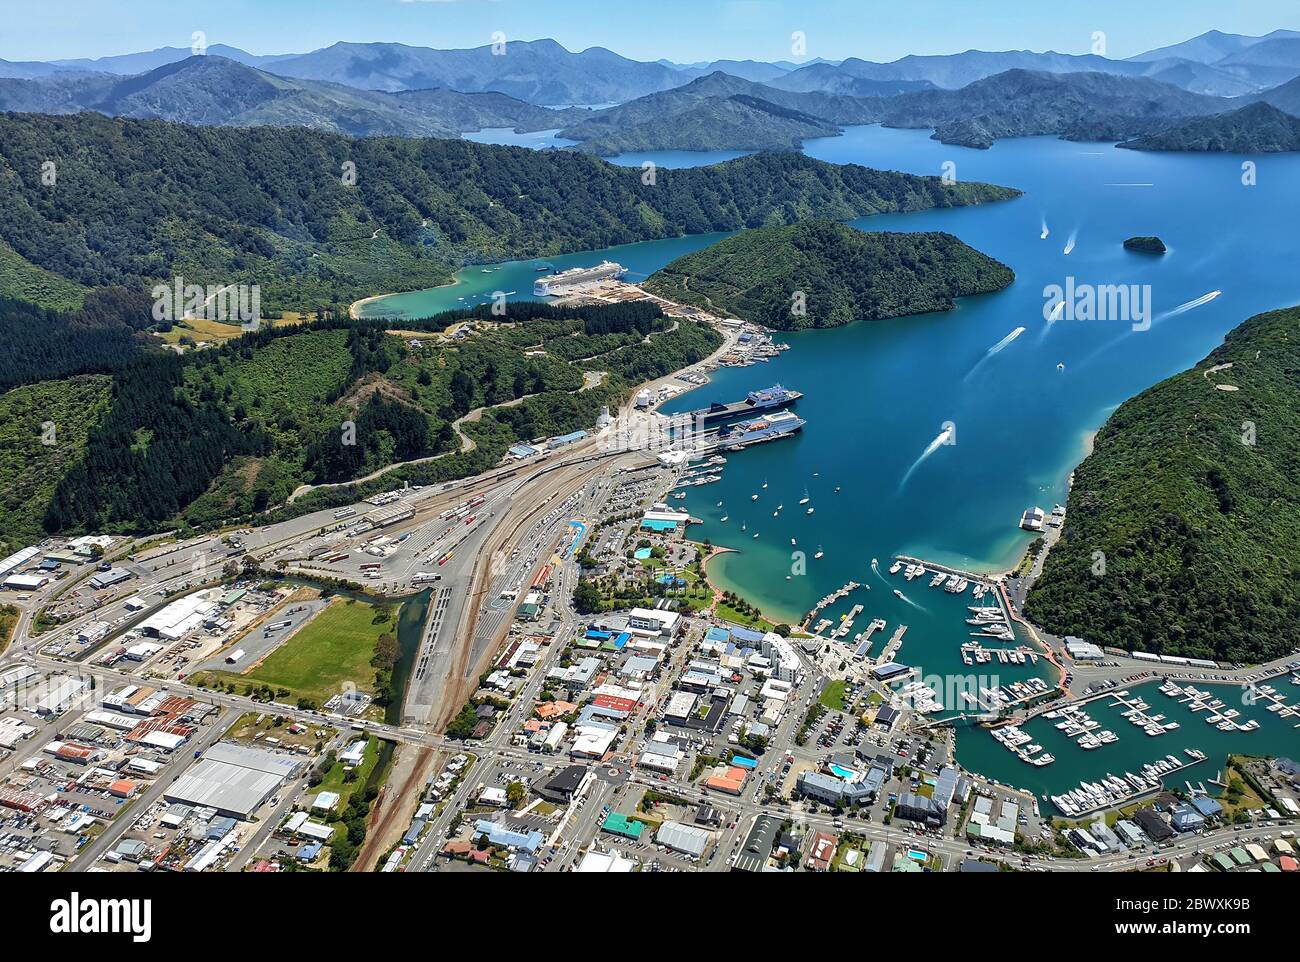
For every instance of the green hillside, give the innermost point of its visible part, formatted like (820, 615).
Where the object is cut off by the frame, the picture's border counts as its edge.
(213, 435)
(143, 201)
(1193, 495)
(34, 455)
(842, 274)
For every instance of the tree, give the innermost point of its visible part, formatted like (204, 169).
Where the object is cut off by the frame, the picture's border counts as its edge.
(586, 599)
(515, 794)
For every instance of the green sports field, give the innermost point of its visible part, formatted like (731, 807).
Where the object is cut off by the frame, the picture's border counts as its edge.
(334, 649)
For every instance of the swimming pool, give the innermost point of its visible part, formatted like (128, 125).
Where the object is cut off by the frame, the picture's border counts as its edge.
(640, 554)
(842, 772)
(916, 856)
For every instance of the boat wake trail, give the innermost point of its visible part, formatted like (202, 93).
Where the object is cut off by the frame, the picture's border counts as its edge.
(1180, 309)
(995, 349)
(1052, 319)
(918, 607)
(1190, 305)
(1069, 244)
(1043, 235)
(944, 438)
(875, 566)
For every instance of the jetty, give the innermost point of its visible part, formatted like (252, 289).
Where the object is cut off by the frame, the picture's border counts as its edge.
(895, 643)
(839, 593)
(1112, 790)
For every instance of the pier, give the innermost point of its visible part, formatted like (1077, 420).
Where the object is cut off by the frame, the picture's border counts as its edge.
(891, 649)
(946, 569)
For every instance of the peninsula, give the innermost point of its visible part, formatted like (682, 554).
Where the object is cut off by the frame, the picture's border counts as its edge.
(824, 274)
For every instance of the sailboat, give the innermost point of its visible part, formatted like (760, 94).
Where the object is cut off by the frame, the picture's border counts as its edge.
(764, 484)
(793, 542)
(810, 510)
(753, 497)
(724, 518)
(805, 499)
(819, 552)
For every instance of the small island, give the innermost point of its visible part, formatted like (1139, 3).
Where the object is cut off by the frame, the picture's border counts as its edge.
(1145, 245)
(822, 273)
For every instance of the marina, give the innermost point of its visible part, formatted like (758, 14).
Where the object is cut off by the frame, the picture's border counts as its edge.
(977, 751)
(1111, 790)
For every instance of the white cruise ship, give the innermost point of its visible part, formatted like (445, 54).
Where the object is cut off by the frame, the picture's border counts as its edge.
(566, 282)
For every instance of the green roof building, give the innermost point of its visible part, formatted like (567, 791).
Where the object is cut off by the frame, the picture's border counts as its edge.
(617, 823)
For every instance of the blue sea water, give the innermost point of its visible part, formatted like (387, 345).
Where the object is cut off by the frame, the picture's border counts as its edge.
(1020, 411)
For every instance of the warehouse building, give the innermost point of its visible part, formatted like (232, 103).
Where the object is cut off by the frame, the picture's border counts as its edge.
(106, 579)
(178, 619)
(687, 839)
(390, 514)
(234, 780)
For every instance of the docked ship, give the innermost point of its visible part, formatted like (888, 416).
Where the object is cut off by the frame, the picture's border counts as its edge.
(566, 282)
(763, 400)
(766, 428)
(771, 397)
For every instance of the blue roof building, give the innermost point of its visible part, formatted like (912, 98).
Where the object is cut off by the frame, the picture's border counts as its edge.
(1186, 819)
(1207, 806)
(498, 834)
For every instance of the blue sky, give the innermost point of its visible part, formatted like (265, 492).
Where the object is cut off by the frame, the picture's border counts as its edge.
(681, 30)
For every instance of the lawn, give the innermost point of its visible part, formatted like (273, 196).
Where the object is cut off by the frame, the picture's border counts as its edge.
(336, 779)
(1240, 796)
(832, 696)
(333, 649)
(727, 613)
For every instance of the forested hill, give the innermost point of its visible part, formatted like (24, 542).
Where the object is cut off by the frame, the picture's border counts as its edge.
(843, 275)
(1192, 493)
(138, 201)
(223, 433)
(1259, 128)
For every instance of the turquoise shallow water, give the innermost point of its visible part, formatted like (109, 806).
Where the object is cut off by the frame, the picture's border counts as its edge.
(878, 394)
(476, 285)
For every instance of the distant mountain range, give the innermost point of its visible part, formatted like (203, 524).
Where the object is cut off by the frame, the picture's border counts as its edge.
(214, 90)
(1020, 103)
(719, 112)
(544, 72)
(538, 71)
(1215, 63)
(971, 98)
